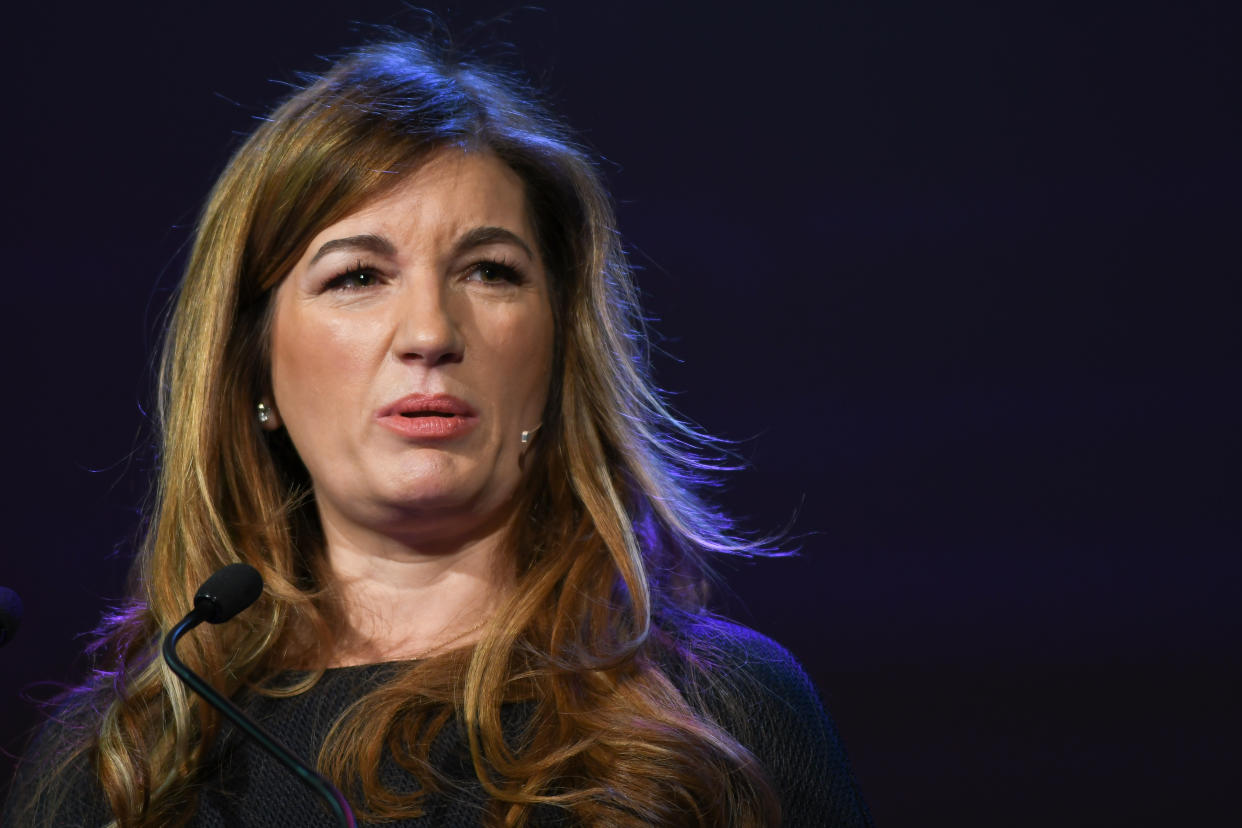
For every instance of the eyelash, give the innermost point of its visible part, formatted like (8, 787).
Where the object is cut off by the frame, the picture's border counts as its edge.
(501, 269)
(341, 281)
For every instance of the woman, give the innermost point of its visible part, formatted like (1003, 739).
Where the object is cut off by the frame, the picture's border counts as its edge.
(405, 379)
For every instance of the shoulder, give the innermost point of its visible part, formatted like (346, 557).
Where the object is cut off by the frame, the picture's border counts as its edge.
(756, 690)
(54, 783)
(731, 664)
(731, 650)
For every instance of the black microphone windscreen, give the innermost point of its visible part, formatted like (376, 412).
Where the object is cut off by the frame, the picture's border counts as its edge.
(228, 591)
(10, 614)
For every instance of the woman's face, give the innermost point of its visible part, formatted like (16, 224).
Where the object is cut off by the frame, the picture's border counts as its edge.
(411, 347)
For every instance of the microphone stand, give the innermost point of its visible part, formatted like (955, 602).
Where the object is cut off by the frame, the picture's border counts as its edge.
(325, 789)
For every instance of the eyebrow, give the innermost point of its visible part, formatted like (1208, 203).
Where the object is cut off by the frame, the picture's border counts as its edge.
(483, 236)
(369, 242)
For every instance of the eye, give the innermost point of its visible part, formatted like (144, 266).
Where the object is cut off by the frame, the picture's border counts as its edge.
(358, 277)
(494, 272)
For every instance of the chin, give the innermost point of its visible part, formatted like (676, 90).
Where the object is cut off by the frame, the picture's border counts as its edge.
(421, 499)
(429, 499)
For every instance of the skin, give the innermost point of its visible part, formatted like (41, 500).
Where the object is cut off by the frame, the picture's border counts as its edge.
(436, 287)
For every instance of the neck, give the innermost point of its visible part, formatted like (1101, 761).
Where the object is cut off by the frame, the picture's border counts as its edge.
(404, 600)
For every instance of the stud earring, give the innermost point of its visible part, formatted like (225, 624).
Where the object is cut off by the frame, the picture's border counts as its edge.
(529, 435)
(264, 414)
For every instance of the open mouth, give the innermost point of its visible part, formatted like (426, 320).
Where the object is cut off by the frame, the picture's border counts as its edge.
(428, 417)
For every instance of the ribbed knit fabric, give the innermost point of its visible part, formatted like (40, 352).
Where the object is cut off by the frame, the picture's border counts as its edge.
(772, 709)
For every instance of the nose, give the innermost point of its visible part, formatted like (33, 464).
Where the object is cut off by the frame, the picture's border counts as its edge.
(426, 329)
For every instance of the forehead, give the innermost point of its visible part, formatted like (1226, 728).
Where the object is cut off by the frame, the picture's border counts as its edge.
(451, 192)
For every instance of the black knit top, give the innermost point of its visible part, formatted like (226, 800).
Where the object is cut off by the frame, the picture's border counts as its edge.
(781, 720)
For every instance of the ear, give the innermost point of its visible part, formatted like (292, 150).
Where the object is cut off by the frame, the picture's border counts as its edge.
(268, 416)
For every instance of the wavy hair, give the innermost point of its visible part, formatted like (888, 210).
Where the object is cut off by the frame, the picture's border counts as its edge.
(611, 552)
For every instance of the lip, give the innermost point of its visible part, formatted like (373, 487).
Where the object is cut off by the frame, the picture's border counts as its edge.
(428, 417)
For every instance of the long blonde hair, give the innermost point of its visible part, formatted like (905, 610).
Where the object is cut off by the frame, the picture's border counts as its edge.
(611, 552)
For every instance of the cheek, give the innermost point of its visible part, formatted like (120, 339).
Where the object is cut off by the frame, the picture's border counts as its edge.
(524, 360)
(315, 361)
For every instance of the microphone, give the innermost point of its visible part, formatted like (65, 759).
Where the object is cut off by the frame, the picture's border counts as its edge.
(10, 615)
(227, 592)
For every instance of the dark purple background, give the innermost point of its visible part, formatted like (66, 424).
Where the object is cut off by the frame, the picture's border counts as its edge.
(963, 281)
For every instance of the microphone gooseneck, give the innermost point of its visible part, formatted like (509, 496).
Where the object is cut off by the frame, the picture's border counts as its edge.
(10, 615)
(227, 592)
